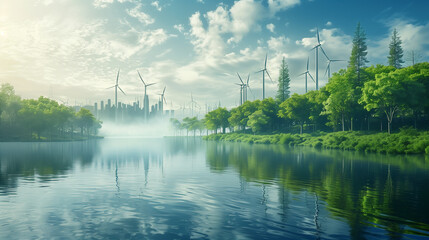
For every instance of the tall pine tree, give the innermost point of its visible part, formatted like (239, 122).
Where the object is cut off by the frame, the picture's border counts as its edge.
(284, 81)
(395, 51)
(359, 52)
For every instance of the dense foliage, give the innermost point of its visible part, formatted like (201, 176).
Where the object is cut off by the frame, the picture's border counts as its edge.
(41, 119)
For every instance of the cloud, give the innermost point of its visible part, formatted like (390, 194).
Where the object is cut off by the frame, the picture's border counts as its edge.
(179, 27)
(156, 5)
(328, 24)
(102, 3)
(139, 15)
(271, 27)
(280, 5)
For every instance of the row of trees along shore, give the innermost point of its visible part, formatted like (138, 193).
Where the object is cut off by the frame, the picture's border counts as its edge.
(371, 98)
(42, 119)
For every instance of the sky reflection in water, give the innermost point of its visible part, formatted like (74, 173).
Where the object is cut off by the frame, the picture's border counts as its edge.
(186, 188)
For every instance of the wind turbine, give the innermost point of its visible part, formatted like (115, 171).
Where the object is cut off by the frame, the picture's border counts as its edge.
(318, 45)
(264, 70)
(242, 85)
(161, 103)
(146, 98)
(307, 73)
(116, 86)
(328, 66)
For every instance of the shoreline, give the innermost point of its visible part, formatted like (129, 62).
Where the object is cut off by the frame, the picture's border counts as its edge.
(407, 141)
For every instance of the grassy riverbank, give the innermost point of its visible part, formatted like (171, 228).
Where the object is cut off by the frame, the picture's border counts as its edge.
(406, 141)
(52, 138)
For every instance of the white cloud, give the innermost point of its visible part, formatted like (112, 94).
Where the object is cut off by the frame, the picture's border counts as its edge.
(328, 24)
(279, 5)
(271, 27)
(139, 15)
(156, 5)
(179, 27)
(102, 3)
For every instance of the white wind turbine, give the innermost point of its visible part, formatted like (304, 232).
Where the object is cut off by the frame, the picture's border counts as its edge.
(307, 73)
(264, 70)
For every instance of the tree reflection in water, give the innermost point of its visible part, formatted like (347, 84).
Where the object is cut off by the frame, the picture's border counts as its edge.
(373, 192)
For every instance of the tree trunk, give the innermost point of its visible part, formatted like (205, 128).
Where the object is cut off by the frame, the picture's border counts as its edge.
(368, 120)
(301, 127)
(388, 126)
(342, 121)
(351, 124)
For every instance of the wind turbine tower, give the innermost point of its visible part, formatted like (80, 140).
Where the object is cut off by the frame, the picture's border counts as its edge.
(241, 89)
(264, 70)
(316, 48)
(146, 98)
(161, 102)
(307, 73)
(116, 86)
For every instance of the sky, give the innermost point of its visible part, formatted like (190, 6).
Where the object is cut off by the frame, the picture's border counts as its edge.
(71, 50)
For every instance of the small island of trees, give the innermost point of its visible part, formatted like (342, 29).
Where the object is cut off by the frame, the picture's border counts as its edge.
(42, 119)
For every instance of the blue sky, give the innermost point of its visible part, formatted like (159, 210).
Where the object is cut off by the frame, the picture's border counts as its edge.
(70, 50)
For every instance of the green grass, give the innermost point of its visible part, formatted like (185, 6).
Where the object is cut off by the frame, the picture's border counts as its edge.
(408, 140)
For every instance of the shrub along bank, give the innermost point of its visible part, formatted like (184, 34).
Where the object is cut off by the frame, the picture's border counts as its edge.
(406, 141)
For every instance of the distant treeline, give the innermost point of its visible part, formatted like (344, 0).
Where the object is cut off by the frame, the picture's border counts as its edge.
(42, 119)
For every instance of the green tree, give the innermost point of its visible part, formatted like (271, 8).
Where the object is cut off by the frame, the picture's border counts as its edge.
(258, 121)
(339, 103)
(395, 51)
(270, 108)
(217, 119)
(391, 92)
(85, 120)
(284, 81)
(359, 51)
(316, 100)
(10, 104)
(296, 108)
(240, 115)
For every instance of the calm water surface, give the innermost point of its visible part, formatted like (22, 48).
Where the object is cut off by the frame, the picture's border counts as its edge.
(190, 189)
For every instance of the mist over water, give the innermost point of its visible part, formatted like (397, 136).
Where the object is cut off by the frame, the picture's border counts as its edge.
(155, 128)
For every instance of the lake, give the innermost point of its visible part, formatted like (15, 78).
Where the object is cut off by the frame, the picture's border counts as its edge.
(186, 188)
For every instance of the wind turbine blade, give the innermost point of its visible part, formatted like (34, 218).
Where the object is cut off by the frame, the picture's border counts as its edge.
(251, 92)
(150, 84)
(241, 80)
(248, 77)
(110, 87)
(327, 67)
(117, 77)
(337, 60)
(260, 71)
(318, 39)
(269, 75)
(323, 51)
(311, 77)
(302, 74)
(308, 60)
(141, 78)
(122, 90)
(164, 99)
(266, 57)
(163, 91)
